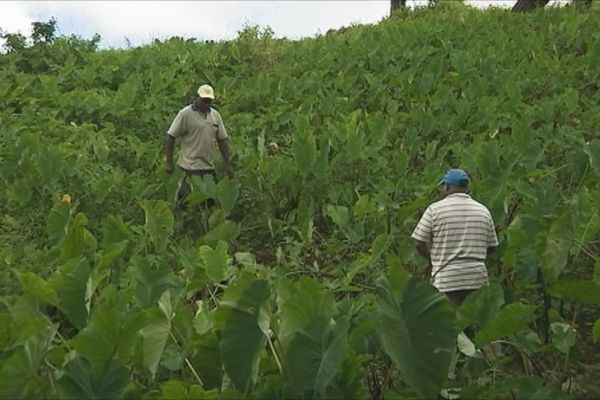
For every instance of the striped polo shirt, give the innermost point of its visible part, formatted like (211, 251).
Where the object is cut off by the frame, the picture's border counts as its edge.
(458, 231)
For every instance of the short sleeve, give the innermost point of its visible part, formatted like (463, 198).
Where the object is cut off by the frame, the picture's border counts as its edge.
(221, 131)
(177, 126)
(424, 229)
(492, 238)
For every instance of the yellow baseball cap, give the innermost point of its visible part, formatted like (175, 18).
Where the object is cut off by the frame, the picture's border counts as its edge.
(206, 91)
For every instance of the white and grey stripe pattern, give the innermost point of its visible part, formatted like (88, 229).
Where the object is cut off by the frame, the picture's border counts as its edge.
(458, 230)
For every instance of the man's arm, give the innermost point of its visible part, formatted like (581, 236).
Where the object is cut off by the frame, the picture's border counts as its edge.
(169, 145)
(224, 148)
(422, 249)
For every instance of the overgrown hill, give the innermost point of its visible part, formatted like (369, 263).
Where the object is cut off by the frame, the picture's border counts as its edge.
(295, 284)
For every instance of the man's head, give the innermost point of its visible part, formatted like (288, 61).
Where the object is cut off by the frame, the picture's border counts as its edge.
(454, 181)
(205, 97)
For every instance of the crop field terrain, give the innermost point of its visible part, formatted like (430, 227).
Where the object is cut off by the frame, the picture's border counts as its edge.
(303, 281)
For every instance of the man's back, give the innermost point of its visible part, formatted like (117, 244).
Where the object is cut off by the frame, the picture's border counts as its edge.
(459, 230)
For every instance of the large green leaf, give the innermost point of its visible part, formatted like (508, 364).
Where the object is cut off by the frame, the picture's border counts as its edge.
(418, 331)
(563, 336)
(19, 373)
(113, 329)
(315, 354)
(159, 222)
(480, 307)
(57, 222)
(339, 214)
(242, 339)
(155, 332)
(224, 231)
(78, 241)
(364, 260)
(216, 261)
(111, 253)
(71, 286)
(37, 287)
(82, 381)
(511, 319)
(151, 277)
(558, 246)
(534, 388)
(596, 330)
(206, 359)
(587, 291)
(301, 303)
(304, 149)
(349, 382)
(314, 345)
(114, 230)
(304, 220)
(227, 193)
(180, 390)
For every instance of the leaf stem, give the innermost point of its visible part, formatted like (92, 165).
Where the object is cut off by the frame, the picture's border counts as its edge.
(275, 355)
(188, 363)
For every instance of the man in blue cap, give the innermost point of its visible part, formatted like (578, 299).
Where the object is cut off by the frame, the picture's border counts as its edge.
(456, 234)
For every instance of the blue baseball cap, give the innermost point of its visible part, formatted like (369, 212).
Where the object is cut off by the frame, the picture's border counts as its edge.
(455, 177)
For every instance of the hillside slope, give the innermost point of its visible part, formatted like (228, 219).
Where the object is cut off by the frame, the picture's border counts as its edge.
(338, 142)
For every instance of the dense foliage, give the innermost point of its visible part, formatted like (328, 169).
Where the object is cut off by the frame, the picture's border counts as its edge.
(303, 280)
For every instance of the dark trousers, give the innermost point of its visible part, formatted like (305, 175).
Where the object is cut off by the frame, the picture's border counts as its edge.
(184, 188)
(457, 297)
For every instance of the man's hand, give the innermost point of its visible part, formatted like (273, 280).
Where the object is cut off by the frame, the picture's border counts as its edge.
(169, 166)
(169, 144)
(229, 171)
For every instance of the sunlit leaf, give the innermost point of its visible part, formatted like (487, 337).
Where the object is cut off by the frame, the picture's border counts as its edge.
(159, 222)
(215, 261)
(563, 336)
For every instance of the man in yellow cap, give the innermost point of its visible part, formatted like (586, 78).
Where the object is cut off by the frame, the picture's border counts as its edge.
(198, 127)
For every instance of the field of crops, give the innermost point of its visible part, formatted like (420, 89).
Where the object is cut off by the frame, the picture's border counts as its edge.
(303, 282)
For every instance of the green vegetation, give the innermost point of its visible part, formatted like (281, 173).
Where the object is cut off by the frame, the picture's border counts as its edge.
(302, 281)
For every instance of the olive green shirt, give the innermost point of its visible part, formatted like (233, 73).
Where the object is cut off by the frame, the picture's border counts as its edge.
(198, 134)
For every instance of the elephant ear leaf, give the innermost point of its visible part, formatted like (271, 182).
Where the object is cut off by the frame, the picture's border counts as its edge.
(159, 222)
(80, 381)
(242, 338)
(418, 331)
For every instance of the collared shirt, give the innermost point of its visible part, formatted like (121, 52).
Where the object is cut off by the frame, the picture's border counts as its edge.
(458, 231)
(198, 134)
